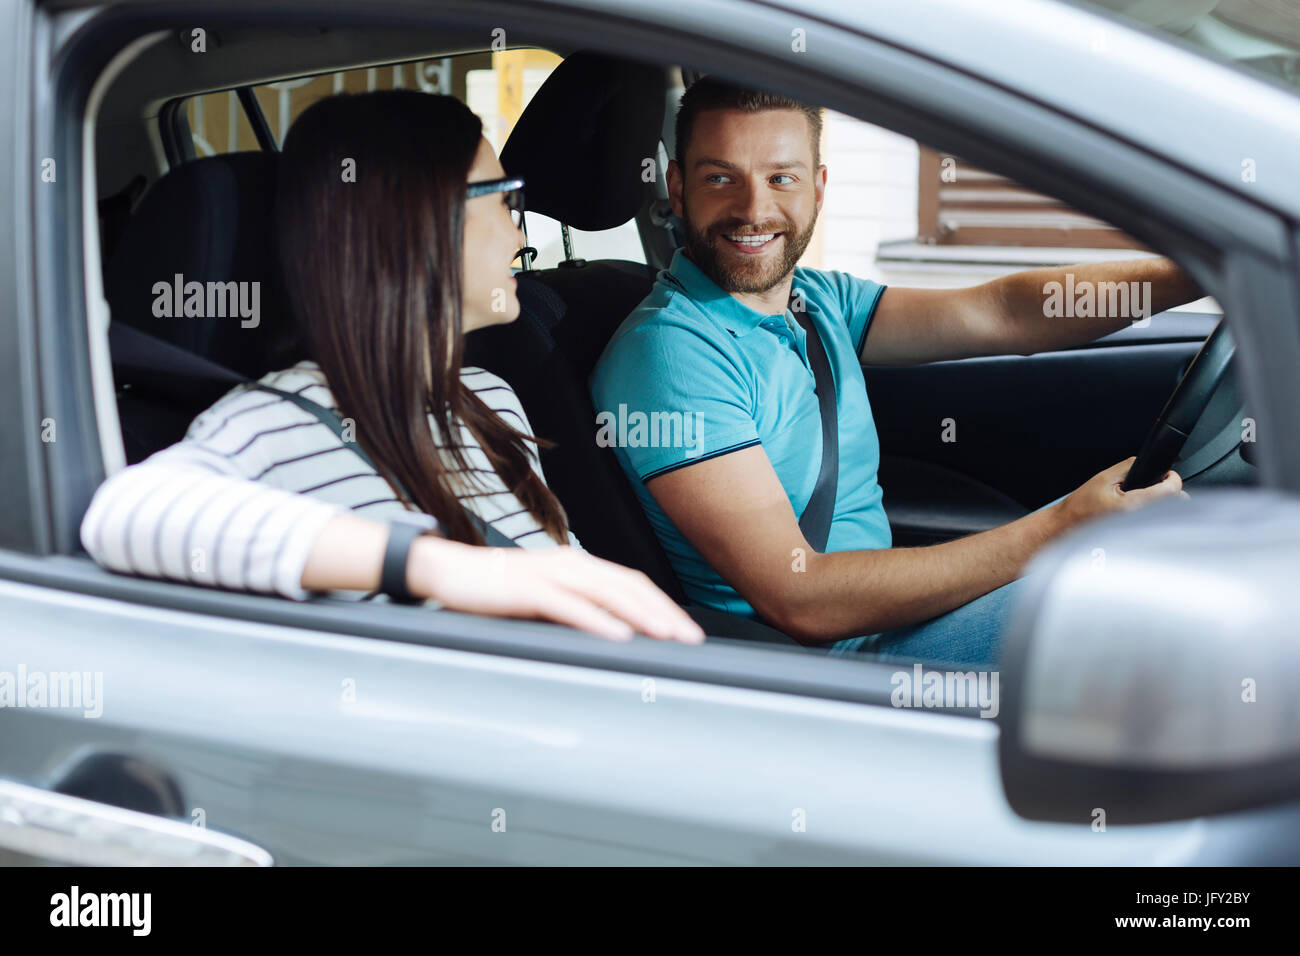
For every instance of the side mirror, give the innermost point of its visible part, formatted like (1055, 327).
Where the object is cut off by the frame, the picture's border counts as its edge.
(1151, 669)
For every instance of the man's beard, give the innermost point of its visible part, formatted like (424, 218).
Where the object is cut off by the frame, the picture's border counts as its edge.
(735, 271)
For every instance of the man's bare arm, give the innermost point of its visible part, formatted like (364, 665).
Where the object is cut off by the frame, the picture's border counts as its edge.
(734, 511)
(1009, 315)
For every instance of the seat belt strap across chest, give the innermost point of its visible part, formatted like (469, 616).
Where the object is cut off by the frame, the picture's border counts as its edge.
(815, 522)
(491, 536)
(145, 350)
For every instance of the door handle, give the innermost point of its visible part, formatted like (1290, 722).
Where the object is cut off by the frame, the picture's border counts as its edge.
(39, 825)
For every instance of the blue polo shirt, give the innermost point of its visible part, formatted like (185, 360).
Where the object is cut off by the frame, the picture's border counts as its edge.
(693, 374)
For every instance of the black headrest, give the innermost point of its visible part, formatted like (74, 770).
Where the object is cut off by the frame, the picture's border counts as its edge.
(209, 220)
(581, 142)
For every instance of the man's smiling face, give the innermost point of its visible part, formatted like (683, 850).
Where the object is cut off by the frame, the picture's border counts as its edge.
(748, 195)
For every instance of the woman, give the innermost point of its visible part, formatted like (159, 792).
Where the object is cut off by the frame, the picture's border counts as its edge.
(396, 227)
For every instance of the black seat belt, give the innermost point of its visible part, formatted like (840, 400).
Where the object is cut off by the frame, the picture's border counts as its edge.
(136, 349)
(815, 522)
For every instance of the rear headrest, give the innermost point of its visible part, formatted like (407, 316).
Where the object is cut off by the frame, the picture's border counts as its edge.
(208, 221)
(581, 142)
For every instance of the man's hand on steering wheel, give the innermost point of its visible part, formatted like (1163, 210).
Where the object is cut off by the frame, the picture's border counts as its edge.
(1164, 442)
(1103, 494)
(1148, 476)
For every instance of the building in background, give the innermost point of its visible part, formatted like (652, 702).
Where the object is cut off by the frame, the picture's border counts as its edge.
(895, 211)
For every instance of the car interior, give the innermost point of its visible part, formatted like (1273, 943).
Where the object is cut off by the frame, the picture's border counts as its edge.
(1033, 428)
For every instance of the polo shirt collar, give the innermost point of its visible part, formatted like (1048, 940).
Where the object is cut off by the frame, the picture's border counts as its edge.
(734, 316)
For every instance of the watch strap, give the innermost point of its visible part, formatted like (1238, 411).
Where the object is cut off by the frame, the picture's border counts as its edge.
(392, 579)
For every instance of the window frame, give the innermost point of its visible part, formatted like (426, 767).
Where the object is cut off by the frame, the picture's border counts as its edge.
(178, 137)
(24, 521)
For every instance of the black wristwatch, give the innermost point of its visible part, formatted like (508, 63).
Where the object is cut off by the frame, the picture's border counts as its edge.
(392, 579)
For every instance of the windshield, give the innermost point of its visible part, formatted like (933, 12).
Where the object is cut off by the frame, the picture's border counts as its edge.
(1261, 35)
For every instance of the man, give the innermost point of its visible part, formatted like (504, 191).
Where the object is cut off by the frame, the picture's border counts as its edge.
(716, 347)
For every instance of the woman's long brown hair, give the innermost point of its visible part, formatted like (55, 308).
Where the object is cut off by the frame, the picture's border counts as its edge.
(369, 215)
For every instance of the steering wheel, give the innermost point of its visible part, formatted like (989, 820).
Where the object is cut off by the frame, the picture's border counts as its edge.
(1165, 440)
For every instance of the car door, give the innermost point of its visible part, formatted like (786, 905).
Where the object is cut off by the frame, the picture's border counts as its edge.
(971, 444)
(326, 732)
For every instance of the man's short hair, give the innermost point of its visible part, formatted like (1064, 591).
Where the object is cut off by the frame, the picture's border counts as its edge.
(709, 93)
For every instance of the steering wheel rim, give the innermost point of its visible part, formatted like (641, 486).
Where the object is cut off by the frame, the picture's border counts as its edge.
(1165, 441)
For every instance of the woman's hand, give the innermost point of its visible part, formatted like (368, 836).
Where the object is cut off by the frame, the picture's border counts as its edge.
(556, 584)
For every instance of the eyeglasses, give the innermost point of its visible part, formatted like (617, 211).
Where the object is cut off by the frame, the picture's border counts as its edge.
(512, 186)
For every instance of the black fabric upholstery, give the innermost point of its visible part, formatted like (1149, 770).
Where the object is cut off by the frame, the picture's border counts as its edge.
(115, 212)
(928, 503)
(209, 220)
(581, 142)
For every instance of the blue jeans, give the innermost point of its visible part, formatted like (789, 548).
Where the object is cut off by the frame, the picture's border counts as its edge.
(970, 634)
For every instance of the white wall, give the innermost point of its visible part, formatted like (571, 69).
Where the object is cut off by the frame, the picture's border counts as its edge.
(871, 177)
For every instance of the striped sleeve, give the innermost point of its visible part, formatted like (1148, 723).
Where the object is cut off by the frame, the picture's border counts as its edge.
(240, 502)
(176, 516)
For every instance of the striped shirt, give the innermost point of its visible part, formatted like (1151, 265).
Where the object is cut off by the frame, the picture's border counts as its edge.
(240, 501)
